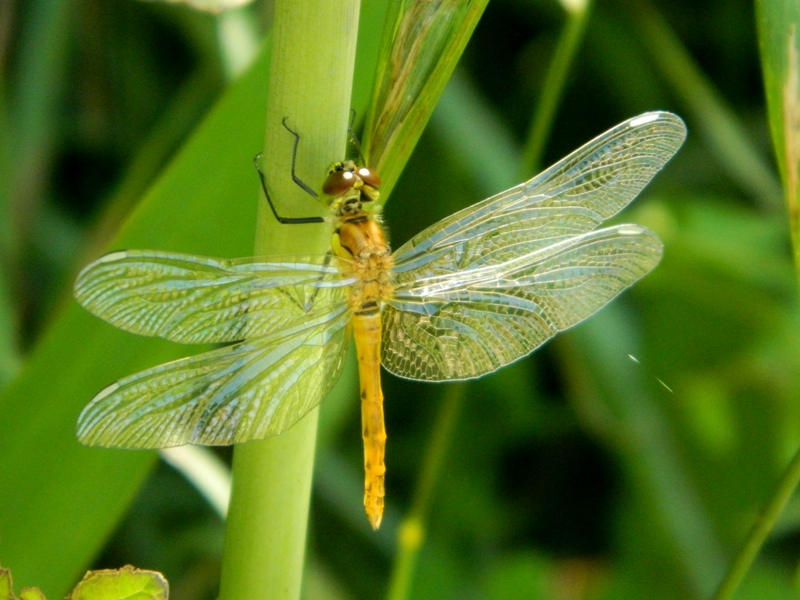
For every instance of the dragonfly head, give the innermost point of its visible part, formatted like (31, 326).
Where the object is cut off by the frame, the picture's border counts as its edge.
(348, 187)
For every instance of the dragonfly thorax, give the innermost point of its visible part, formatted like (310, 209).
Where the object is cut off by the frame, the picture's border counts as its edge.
(360, 236)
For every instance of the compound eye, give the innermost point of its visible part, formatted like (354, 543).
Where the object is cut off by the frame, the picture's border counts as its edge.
(338, 182)
(369, 176)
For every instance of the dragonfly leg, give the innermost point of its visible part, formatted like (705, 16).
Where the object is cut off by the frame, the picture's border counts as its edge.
(280, 219)
(295, 178)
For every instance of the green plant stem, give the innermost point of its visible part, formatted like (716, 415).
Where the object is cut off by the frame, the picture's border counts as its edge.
(9, 354)
(760, 530)
(412, 530)
(553, 88)
(311, 75)
(642, 435)
(711, 115)
(266, 531)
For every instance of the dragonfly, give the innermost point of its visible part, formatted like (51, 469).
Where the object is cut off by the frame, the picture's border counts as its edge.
(478, 290)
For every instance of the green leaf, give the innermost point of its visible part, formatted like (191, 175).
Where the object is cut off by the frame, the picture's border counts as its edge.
(204, 203)
(7, 589)
(127, 583)
(780, 46)
(6, 586)
(422, 42)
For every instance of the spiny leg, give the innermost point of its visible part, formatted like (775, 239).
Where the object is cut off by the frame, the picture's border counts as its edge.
(295, 178)
(280, 219)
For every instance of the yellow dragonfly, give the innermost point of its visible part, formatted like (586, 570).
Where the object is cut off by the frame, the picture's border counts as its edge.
(470, 294)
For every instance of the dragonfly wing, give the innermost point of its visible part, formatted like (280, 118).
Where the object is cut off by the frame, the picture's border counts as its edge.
(195, 299)
(570, 198)
(474, 322)
(251, 390)
(493, 282)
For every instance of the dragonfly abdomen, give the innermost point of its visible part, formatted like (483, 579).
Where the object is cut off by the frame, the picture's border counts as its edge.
(367, 333)
(361, 239)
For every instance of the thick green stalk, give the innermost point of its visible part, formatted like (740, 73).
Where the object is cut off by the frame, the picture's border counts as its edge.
(712, 117)
(310, 81)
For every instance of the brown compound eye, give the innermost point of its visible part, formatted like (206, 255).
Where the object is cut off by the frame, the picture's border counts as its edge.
(369, 176)
(338, 182)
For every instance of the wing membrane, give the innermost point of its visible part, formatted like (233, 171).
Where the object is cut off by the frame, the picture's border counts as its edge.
(465, 328)
(493, 282)
(242, 392)
(570, 198)
(194, 299)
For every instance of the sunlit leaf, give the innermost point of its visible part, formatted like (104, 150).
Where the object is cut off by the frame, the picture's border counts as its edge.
(127, 583)
(6, 586)
(778, 22)
(7, 589)
(422, 42)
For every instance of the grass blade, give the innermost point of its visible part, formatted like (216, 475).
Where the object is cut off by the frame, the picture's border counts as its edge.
(199, 205)
(421, 45)
(778, 22)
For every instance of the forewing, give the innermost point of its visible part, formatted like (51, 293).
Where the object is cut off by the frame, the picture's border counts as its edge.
(475, 322)
(570, 198)
(195, 299)
(242, 392)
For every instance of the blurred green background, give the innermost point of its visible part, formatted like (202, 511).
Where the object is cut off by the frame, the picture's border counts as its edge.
(575, 473)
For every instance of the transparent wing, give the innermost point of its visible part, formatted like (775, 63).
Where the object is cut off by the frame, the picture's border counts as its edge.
(242, 392)
(491, 283)
(195, 299)
(570, 198)
(475, 323)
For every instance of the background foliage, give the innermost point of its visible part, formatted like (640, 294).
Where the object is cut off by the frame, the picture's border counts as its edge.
(576, 473)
